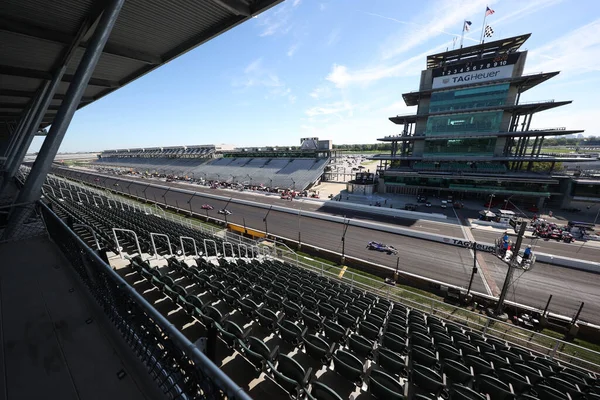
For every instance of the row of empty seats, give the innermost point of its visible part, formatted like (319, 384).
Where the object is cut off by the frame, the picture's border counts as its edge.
(320, 338)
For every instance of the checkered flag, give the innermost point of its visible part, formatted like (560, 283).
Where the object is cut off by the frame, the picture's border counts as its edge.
(489, 32)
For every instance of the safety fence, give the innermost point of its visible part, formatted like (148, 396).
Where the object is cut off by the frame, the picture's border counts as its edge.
(176, 365)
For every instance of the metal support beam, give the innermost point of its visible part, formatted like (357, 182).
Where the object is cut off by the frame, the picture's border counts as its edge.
(17, 132)
(30, 94)
(32, 188)
(38, 32)
(22, 139)
(38, 74)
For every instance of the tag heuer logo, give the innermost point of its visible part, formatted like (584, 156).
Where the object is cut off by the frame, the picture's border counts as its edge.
(446, 80)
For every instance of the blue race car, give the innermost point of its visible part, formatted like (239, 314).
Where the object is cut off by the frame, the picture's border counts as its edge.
(384, 248)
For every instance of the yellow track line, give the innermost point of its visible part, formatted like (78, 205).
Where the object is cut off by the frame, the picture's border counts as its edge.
(342, 271)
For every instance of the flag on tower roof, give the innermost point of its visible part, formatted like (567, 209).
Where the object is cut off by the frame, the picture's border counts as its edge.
(488, 11)
(467, 25)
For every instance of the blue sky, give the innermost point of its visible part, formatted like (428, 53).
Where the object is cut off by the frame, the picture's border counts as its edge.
(337, 69)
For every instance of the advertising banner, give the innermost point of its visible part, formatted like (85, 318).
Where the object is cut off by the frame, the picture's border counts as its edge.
(475, 71)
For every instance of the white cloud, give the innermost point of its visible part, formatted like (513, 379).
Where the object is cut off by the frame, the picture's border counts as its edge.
(331, 109)
(333, 37)
(292, 50)
(575, 53)
(277, 20)
(342, 77)
(441, 16)
(321, 92)
(256, 74)
(296, 3)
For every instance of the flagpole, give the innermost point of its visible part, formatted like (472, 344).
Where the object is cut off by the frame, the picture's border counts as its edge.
(483, 26)
(463, 33)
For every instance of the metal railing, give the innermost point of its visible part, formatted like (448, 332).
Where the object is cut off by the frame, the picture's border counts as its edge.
(177, 365)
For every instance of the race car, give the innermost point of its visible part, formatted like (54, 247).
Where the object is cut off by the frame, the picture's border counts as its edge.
(207, 207)
(382, 247)
(225, 211)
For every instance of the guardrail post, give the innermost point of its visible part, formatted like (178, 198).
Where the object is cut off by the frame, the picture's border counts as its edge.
(487, 325)
(553, 352)
(137, 242)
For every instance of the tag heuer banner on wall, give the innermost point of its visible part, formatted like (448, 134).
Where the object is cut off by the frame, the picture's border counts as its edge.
(475, 71)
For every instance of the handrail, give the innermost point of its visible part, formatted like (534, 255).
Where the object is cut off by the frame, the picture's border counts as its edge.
(183, 247)
(152, 234)
(137, 242)
(208, 367)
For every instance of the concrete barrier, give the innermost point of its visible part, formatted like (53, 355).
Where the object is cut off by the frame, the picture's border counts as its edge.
(386, 211)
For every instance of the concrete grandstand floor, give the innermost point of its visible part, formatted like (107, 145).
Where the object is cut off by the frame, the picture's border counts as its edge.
(47, 347)
(433, 260)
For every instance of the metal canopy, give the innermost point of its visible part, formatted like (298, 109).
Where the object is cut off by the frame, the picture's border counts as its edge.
(148, 34)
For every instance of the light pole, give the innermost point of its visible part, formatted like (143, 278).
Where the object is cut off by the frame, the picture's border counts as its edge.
(474, 271)
(346, 222)
(299, 231)
(490, 202)
(265, 221)
(270, 184)
(293, 183)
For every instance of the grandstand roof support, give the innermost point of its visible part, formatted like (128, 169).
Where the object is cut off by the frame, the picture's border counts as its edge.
(17, 132)
(32, 188)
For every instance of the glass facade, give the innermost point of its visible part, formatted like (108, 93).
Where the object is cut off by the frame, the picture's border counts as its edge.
(467, 147)
(452, 100)
(465, 185)
(464, 123)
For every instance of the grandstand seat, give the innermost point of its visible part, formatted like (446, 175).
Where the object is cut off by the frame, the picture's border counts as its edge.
(565, 386)
(361, 346)
(347, 321)
(424, 357)
(291, 333)
(258, 353)
(426, 380)
(248, 307)
(447, 352)
(480, 365)
(495, 388)
(394, 342)
(313, 321)
(320, 391)
(545, 392)
(460, 392)
(391, 362)
(268, 319)
(532, 374)
(291, 376)
(519, 382)
(335, 332)
(368, 330)
(458, 373)
(318, 349)
(382, 386)
(348, 366)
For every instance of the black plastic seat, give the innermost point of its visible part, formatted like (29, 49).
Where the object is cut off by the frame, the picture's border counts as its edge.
(374, 319)
(480, 365)
(274, 300)
(347, 321)
(467, 348)
(460, 392)
(565, 386)
(258, 352)
(291, 376)
(495, 388)
(447, 352)
(268, 319)
(384, 387)
(312, 320)
(335, 332)
(424, 357)
(458, 373)
(532, 374)
(247, 306)
(549, 393)
(520, 383)
(320, 391)
(394, 342)
(391, 362)
(498, 361)
(428, 380)
(291, 333)
(361, 346)
(348, 366)
(420, 339)
(369, 330)
(318, 349)
(396, 328)
(546, 370)
(327, 310)
(292, 310)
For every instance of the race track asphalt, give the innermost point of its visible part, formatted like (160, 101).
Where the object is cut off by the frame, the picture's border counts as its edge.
(436, 261)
